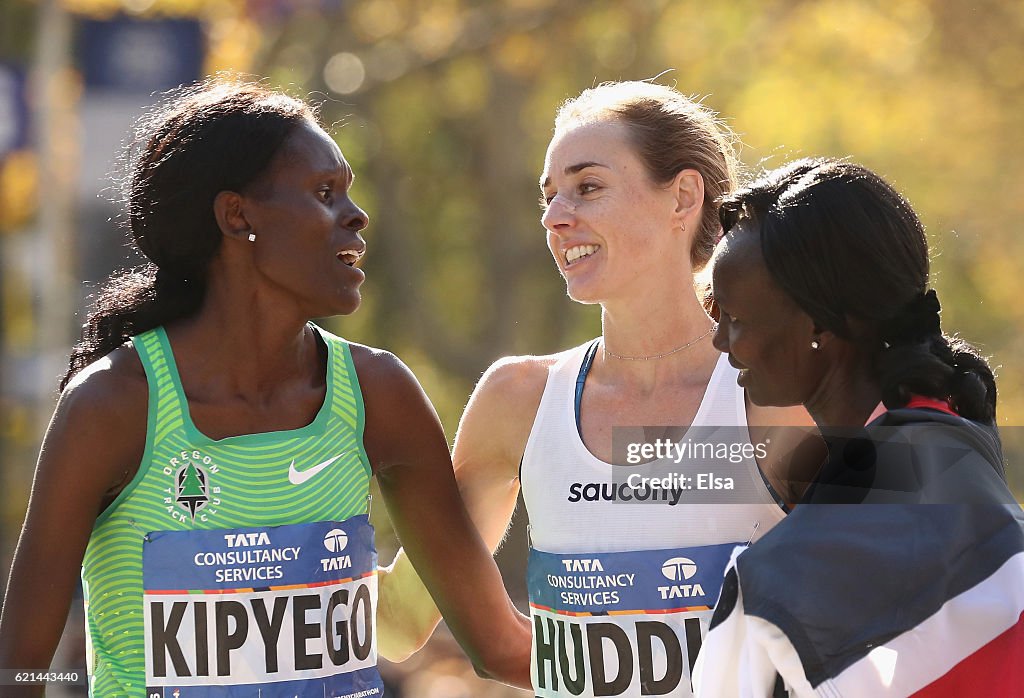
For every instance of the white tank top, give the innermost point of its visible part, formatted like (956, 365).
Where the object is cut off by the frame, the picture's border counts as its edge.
(622, 576)
(573, 498)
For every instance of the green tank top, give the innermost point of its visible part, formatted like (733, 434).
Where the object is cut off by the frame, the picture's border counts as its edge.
(190, 482)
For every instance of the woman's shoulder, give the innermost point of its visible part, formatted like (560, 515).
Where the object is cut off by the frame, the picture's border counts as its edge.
(500, 415)
(518, 374)
(114, 384)
(109, 396)
(380, 363)
(515, 384)
(530, 372)
(98, 431)
(389, 387)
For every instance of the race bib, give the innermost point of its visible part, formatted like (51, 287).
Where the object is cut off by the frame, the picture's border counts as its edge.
(271, 611)
(621, 624)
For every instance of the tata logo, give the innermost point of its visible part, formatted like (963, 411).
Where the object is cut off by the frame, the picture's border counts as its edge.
(336, 540)
(679, 569)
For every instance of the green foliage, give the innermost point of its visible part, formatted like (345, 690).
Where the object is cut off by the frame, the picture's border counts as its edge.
(926, 92)
(444, 108)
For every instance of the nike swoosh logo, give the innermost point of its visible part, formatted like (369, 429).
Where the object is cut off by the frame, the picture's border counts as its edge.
(297, 477)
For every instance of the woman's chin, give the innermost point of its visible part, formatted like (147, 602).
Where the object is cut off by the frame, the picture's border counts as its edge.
(578, 297)
(756, 393)
(585, 294)
(762, 398)
(343, 306)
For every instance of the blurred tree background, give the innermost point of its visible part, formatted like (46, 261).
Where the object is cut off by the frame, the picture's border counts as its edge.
(444, 109)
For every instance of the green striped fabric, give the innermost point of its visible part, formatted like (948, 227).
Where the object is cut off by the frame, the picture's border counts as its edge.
(188, 481)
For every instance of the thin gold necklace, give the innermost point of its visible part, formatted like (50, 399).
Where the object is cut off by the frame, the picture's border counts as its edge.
(609, 352)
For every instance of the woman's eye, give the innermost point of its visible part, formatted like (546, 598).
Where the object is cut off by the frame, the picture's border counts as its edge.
(719, 315)
(324, 195)
(588, 187)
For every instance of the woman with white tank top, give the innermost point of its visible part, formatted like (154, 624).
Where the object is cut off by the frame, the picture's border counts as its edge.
(638, 469)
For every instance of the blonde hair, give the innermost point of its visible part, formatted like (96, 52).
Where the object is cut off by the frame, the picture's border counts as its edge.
(671, 133)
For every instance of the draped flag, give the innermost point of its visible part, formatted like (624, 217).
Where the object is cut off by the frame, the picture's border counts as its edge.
(917, 590)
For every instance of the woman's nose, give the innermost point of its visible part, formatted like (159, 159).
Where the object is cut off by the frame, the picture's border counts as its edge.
(355, 218)
(560, 212)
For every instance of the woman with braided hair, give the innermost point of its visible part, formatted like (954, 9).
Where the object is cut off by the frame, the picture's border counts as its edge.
(821, 284)
(208, 463)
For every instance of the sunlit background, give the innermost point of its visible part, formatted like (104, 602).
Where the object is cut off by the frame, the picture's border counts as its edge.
(444, 109)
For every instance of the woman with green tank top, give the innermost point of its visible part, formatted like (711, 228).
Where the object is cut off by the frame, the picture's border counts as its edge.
(208, 462)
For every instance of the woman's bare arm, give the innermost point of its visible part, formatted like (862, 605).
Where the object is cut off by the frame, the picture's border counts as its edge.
(92, 447)
(406, 444)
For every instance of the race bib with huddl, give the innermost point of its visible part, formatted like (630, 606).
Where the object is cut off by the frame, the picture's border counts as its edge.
(621, 624)
(265, 611)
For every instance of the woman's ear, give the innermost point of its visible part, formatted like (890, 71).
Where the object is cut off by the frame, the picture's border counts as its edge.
(229, 211)
(822, 336)
(688, 187)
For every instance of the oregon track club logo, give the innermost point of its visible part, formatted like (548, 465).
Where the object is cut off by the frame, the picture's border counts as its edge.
(193, 488)
(190, 493)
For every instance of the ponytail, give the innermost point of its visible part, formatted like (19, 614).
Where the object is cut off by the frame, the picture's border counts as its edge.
(131, 303)
(946, 368)
(916, 358)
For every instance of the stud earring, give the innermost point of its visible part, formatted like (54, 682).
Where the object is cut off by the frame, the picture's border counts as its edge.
(252, 237)
(815, 344)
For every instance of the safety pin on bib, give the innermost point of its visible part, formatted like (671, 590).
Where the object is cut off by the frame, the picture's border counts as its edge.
(145, 536)
(757, 524)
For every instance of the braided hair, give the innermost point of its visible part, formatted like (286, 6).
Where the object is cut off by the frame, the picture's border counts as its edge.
(852, 253)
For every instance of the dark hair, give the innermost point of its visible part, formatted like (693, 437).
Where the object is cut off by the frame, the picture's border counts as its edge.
(217, 135)
(851, 252)
(671, 133)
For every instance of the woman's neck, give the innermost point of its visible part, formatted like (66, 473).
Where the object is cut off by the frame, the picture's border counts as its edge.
(248, 355)
(652, 327)
(647, 345)
(845, 398)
